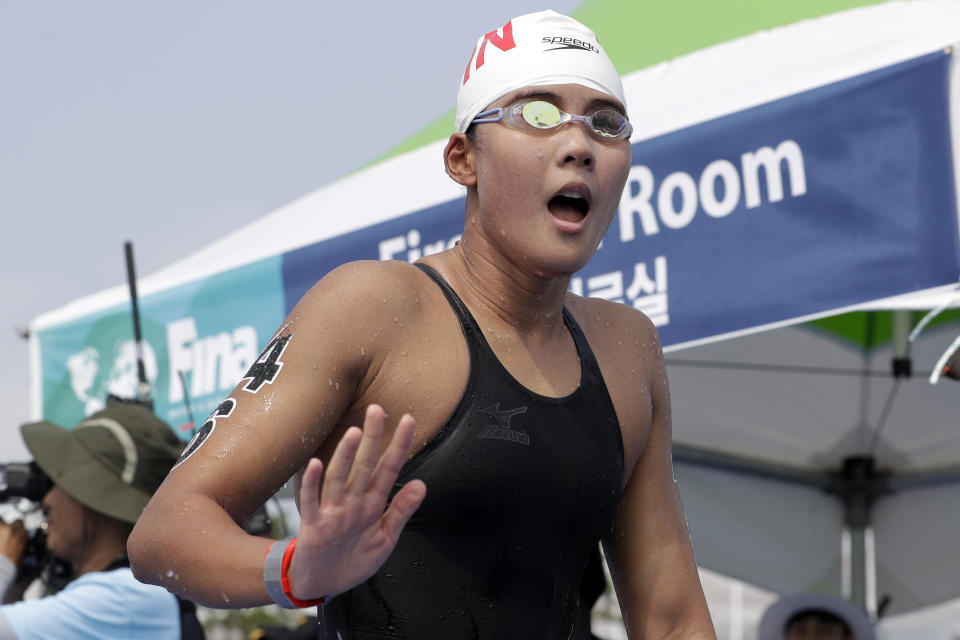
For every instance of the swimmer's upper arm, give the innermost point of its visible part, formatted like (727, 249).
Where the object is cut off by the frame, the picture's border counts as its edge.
(271, 424)
(281, 415)
(649, 549)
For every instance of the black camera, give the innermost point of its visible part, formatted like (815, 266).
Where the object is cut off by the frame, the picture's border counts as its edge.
(23, 480)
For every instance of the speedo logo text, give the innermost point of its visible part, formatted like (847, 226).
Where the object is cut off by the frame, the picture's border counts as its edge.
(569, 43)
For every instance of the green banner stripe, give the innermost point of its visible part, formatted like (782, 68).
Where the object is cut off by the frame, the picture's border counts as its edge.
(867, 329)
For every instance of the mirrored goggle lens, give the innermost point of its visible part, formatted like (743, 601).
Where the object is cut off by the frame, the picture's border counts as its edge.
(608, 123)
(541, 115)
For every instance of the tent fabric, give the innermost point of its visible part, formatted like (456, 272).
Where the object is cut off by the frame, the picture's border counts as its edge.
(802, 399)
(807, 382)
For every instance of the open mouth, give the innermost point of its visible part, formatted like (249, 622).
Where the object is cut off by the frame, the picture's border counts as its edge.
(570, 205)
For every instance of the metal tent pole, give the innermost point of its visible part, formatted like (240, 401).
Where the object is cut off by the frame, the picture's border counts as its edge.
(857, 486)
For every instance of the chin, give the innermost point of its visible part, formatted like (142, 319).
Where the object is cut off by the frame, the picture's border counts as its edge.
(561, 268)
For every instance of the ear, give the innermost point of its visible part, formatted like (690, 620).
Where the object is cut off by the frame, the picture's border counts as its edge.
(459, 159)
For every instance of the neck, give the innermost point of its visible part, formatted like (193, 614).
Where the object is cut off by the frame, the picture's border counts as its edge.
(528, 301)
(105, 540)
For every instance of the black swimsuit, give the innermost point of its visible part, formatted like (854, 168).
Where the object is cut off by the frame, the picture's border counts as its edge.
(520, 488)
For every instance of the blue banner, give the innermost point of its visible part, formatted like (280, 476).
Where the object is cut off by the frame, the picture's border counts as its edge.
(817, 201)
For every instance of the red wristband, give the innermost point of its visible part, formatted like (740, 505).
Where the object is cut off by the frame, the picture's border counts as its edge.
(285, 580)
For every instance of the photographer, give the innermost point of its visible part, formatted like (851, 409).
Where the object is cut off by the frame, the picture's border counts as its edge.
(103, 472)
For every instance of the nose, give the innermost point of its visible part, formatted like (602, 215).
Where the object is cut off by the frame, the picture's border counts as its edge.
(576, 145)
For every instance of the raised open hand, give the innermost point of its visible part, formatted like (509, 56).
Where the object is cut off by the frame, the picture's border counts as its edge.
(347, 531)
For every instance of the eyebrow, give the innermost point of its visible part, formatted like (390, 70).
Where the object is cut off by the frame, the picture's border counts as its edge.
(595, 103)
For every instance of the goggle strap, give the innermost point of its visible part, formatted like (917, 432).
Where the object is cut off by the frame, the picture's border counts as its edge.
(484, 116)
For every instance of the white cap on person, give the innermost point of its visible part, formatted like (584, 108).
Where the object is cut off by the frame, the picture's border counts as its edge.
(535, 49)
(774, 621)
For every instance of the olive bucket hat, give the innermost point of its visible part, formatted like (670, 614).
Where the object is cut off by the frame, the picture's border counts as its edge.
(112, 461)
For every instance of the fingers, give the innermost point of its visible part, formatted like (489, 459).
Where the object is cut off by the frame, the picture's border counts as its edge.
(388, 468)
(338, 470)
(310, 491)
(356, 466)
(368, 453)
(13, 540)
(403, 505)
(347, 502)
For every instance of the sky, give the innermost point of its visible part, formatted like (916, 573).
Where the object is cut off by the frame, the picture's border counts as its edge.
(169, 124)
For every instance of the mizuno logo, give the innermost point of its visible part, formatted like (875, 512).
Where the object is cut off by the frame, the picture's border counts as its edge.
(501, 429)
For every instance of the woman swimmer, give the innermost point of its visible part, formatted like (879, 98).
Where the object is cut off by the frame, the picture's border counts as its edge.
(542, 418)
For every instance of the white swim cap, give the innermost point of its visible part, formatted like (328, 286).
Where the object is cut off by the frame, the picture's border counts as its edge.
(533, 50)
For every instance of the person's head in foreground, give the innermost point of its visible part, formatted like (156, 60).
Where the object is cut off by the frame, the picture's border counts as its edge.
(810, 616)
(104, 471)
(541, 122)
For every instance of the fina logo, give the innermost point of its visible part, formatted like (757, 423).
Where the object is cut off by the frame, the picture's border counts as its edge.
(210, 364)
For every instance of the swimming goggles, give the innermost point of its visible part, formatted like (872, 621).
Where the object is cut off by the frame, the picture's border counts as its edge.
(605, 123)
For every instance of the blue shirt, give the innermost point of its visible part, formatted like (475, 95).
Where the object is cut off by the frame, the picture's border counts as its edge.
(103, 605)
